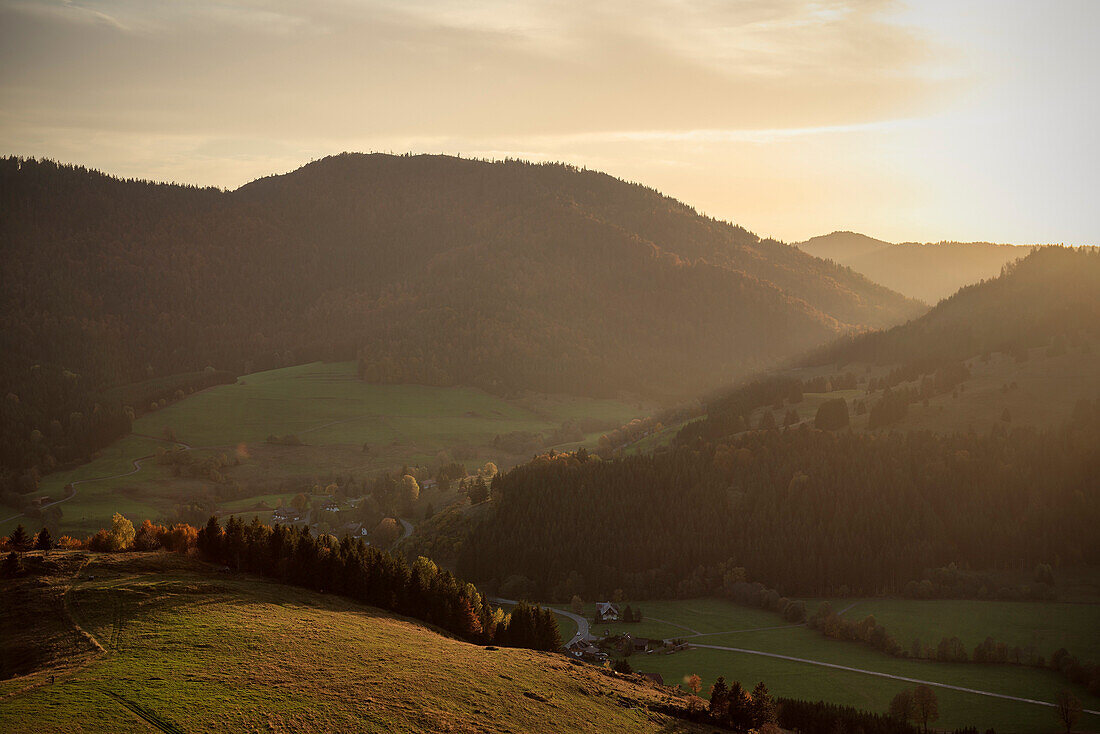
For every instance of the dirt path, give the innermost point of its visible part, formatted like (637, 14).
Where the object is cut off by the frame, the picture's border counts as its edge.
(835, 666)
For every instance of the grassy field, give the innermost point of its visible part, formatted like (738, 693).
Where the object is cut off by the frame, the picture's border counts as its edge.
(331, 411)
(719, 623)
(327, 404)
(1045, 625)
(158, 642)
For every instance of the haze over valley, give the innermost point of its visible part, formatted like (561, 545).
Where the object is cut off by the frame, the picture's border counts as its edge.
(466, 367)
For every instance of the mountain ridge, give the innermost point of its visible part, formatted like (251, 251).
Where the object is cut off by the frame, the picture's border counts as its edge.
(928, 271)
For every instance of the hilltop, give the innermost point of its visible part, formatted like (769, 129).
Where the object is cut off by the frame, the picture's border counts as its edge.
(432, 270)
(928, 271)
(1051, 297)
(167, 640)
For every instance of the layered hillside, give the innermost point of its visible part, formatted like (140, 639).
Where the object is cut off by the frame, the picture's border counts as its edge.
(930, 271)
(118, 643)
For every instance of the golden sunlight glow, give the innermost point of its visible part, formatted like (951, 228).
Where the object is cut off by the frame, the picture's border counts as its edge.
(924, 120)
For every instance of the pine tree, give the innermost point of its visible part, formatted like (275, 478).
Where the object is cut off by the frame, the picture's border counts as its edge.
(19, 539)
(44, 542)
(762, 707)
(719, 699)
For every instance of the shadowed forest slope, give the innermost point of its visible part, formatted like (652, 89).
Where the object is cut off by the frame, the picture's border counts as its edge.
(431, 270)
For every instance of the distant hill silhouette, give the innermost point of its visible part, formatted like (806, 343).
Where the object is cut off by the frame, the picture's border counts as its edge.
(1051, 295)
(428, 269)
(929, 272)
(841, 246)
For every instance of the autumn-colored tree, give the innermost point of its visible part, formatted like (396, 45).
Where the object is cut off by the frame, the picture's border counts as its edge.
(121, 535)
(148, 537)
(902, 706)
(694, 682)
(386, 533)
(180, 538)
(577, 605)
(300, 502)
(925, 705)
(410, 490)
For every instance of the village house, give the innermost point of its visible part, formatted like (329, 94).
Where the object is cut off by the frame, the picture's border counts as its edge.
(583, 650)
(607, 612)
(284, 515)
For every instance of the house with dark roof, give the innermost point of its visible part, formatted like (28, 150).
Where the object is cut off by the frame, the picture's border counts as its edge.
(607, 612)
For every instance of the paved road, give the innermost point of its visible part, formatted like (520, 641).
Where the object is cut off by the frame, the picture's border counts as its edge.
(137, 467)
(582, 623)
(408, 529)
(887, 675)
(136, 463)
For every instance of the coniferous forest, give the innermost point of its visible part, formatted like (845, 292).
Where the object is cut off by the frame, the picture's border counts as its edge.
(432, 270)
(803, 510)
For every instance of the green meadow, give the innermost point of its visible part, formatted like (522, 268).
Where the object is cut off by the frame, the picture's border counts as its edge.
(331, 411)
(148, 642)
(724, 624)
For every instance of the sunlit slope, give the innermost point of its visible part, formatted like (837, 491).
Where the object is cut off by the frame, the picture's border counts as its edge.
(187, 649)
(345, 426)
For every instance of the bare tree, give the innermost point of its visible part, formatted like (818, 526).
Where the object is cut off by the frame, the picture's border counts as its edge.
(1068, 709)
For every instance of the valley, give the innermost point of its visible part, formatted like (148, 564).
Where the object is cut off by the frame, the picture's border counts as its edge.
(343, 426)
(750, 644)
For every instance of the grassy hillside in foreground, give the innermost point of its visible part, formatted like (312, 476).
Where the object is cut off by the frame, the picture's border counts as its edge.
(171, 645)
(722, 623)
(333, 413)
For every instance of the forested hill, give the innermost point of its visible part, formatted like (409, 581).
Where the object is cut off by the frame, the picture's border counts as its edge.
(438, 270)
(1048, 298)
(430, 269)
(928, 271)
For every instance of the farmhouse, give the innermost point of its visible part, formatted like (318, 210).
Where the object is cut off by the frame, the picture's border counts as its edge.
(587, 651)
(607, 612)
(284, 515)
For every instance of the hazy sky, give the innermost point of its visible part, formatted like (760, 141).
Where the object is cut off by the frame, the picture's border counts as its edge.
(945, 119)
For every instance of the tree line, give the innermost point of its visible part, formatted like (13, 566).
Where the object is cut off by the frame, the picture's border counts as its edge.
(347, 567)
(807, 512)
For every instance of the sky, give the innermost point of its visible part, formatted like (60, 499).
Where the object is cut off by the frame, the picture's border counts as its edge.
(908, 121)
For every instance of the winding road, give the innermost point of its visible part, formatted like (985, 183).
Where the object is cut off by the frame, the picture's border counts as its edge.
(408, 529)
(136, 463)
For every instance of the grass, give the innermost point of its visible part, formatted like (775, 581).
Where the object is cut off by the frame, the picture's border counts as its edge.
(187, 649)
(729, 625)
(327, 404)
(331, 411)
(1045, 625)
